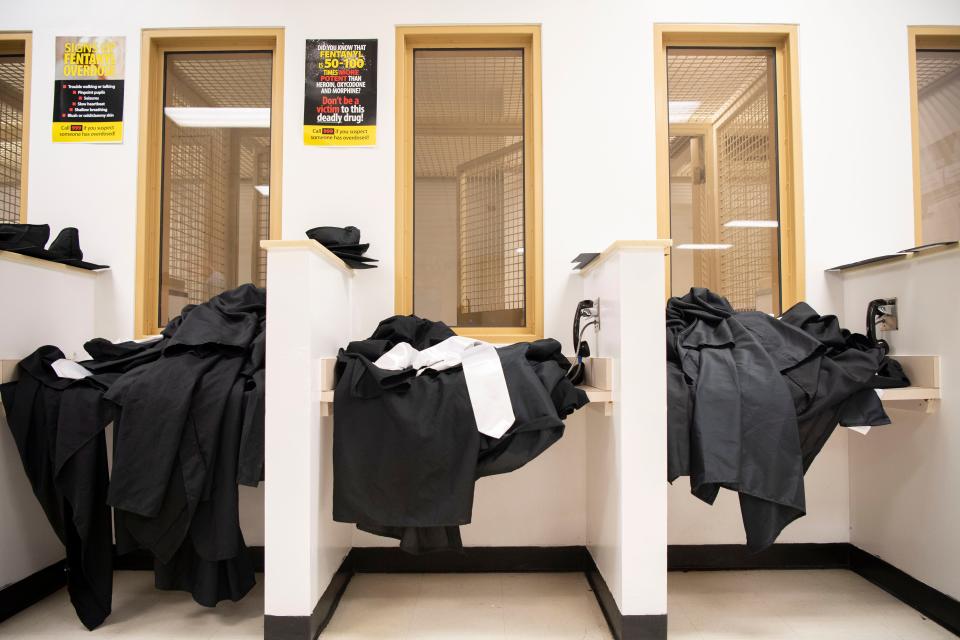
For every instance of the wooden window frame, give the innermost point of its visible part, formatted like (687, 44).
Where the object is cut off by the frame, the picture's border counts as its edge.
(782, 38)
(155, 43)
(13, 43)
(941, 37)
(526, 37)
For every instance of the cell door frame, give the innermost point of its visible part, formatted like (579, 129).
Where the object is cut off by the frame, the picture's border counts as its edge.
(782, 38)
(939, 37)
(155, 44)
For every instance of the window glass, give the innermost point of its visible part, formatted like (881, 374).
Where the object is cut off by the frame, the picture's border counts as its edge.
(11, 136)
(469, 202)
(215, 176)
(938, 102)
(724, 200)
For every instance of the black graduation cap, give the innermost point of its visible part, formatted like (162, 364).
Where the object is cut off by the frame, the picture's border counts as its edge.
(334, 235)
(29, 240)
(344, 242)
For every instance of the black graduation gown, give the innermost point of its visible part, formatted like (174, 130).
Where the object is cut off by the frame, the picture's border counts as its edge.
(406, 449)
(177, 445)
(58, 426)
(753, 399)
(188, 426)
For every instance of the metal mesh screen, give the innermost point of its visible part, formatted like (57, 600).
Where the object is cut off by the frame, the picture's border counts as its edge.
(704, 83)
(468, 129)
(722, 117)
(11, 136)
(205, 170)
(196, 213)
(225, 79)
(491, 227)
(746, 183)
(933, 65)
(262, 215)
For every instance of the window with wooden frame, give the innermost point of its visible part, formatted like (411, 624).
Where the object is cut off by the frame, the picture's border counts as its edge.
(934, 57)
(469, 205)
(728, 162)
(15, 50)
(210, 161)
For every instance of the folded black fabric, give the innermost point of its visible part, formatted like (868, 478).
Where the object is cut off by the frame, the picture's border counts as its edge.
(58, 426)
(350, 249)
(353, 263)
(187, 410)
(355, 258)
(752, 400)
(406, 449)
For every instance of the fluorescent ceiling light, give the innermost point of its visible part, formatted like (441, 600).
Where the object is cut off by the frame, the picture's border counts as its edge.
(681, 111)
(220, 117)
(753, 224)
(703, 246)
(263, 189)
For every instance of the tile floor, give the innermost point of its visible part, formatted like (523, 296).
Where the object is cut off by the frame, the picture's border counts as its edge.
(753, 605)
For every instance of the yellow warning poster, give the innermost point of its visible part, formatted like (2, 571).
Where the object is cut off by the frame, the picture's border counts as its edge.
(88, 89)
(340, 93)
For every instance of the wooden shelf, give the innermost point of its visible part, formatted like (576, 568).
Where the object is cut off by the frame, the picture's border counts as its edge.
(48, 264)
(923, 394)
(8, 370)
(909, 393)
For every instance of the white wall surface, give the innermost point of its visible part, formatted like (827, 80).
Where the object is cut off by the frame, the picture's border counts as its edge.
(597, 188)
(904, 477)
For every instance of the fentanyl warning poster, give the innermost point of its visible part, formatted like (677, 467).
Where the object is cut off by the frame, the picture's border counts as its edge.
(88, 91)
(340, 93)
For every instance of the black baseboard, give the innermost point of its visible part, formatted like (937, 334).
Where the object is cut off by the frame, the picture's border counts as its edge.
(735, 557)
(933, 604)
(309, 627)
(471, 560)
(513, 560)
(16, 597)
(629, 627)
(930, 602)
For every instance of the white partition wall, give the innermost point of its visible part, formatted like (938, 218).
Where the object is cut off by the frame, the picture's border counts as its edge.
(626, 452)
(308, 317)
(43, 303)
(904, 476)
